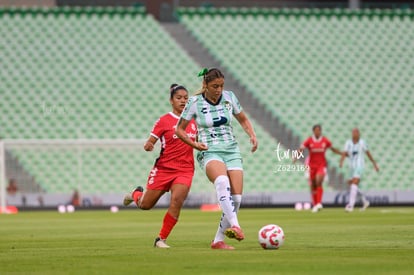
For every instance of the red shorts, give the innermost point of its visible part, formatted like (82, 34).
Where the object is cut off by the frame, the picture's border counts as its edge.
(163, 179)
(316, 170)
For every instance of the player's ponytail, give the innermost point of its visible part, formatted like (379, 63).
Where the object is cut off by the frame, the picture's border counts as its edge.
(174, 88)
(208, 76)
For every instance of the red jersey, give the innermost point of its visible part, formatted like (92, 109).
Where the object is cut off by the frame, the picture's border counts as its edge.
(175, 154)
(317, 149)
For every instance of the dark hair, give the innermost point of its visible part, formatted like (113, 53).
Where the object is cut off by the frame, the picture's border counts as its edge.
(212, 74)
(174, 88)
(316, 126)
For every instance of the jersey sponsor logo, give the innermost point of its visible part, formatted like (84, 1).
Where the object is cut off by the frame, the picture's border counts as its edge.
(217, 121)
(227, 105)
(206, 110)
(191, 135)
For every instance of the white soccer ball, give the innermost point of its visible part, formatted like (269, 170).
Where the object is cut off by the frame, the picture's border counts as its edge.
(70, 208)
(114, 209)
(298, 206)
(62, 209)
(271, 236)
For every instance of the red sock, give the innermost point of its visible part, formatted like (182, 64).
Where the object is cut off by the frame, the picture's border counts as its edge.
(319, 192)
(167, 225)
(136, 195)
(314, 194)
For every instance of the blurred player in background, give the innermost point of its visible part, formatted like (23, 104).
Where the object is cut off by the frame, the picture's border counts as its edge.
(317, 146)
(219, 155)
(174, 168)
(354, 149)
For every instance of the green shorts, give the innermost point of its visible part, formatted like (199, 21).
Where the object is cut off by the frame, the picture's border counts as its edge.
(356, 172)
(232, 160)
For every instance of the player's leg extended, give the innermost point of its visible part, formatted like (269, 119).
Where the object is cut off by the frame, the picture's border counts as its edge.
(149, 199)
(365, 202)
(320, 176)
(217, 173)
(319, 187)
(353, 191)
(318, 191)
(312, 185)
(236, 187)
(313, 192)
(179, 193)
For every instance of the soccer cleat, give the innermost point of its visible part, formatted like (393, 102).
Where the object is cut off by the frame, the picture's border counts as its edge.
(349, 208)
(317, 207)
(129, 198)
(234, 232)
(160, 243)
(221, 245)
(365, 205)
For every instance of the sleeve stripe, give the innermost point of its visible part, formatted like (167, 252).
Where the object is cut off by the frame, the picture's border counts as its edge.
(154, 135)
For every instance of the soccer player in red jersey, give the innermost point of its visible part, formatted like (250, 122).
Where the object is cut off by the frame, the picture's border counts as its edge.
(317, 146)
(174, 168)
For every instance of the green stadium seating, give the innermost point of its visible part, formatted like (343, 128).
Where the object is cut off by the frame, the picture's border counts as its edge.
(340, 68)
(100, 74)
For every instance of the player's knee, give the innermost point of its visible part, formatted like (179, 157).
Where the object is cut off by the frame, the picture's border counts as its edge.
(177, 201)
(145, 206)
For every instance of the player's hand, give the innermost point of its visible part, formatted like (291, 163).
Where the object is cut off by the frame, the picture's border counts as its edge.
(376, 167)
(148, 146)
(200, 146)
(254, 143)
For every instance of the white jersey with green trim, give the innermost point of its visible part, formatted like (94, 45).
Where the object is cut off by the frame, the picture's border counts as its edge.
(356, 153)
(214, 120)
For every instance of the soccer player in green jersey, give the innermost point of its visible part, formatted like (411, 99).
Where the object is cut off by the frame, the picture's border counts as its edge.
(355, 149)
(213, 109)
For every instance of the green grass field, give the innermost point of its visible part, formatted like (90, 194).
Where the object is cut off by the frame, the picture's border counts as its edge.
(378, 241)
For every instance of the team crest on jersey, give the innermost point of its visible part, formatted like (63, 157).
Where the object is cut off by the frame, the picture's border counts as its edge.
(227, 105)
(193, 127)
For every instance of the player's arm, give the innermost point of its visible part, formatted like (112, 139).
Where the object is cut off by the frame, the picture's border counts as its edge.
(182, 134)
(149, 144)
(336, 151)
(248, 128)
(343, 156)
(373, 161)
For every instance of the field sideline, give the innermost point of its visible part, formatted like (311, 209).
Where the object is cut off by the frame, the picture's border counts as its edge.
(378, 241)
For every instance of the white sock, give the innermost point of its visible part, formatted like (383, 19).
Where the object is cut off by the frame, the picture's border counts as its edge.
(224, 224)
(222, 185)
(352, 194)
(362, 196)
(237, 201)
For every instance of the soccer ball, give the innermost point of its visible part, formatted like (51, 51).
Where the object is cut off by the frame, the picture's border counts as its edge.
(271, 236)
